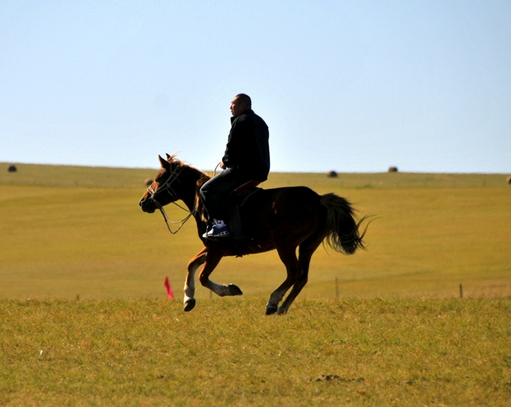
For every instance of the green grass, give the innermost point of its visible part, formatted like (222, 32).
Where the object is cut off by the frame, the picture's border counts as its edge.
(84, 319)
(74, 176)
(109, 177)
(93, 241)
(227, 353)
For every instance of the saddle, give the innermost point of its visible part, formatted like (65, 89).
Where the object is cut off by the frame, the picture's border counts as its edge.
(238, 197)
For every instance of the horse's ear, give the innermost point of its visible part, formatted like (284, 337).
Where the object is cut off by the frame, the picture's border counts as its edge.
(168, 156)
(164, 164)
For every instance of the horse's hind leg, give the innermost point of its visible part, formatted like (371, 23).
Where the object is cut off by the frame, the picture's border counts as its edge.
(193, 265)
(306, 251)
(288, 257)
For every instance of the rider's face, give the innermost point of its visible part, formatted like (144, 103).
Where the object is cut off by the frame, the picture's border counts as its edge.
(237, 107)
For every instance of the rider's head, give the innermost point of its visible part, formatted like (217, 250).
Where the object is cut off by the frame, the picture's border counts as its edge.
(240, 104)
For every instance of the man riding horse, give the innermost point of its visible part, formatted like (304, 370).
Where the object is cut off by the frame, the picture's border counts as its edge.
(246, 158)
(293, 220)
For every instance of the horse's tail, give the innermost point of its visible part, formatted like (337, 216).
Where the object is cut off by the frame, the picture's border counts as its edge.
(342, 229)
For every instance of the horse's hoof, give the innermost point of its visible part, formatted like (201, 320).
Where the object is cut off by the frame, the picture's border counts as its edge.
(234, 290)
(189, 304)
(271, 309)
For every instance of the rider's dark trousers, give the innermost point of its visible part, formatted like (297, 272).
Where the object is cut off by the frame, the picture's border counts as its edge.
(215, 192)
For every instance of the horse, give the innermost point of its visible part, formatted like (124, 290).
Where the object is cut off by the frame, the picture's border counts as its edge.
(288, 219)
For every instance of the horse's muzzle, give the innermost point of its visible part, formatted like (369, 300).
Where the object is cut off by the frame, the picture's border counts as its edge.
(147, 204)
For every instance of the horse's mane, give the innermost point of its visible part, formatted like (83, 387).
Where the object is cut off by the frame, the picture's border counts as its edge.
(199, 208)
(202, 177)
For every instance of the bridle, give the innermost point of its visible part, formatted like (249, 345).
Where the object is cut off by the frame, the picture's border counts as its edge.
(167, 187)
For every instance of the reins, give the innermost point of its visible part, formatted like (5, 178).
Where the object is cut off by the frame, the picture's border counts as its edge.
(166, 186)
(167, 221)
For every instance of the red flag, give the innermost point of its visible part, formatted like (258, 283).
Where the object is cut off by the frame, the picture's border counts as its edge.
(169, 289)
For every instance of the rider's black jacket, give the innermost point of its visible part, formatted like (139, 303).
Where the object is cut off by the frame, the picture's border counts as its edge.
(247, 149)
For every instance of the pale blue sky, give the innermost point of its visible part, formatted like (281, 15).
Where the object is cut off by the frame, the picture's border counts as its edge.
(353, 86)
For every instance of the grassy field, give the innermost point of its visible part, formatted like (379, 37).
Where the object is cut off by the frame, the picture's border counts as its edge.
(227, 353)
(78, 231)
(84, 319)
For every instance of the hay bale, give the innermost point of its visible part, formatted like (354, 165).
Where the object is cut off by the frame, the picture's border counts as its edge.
(148, 182)
(393, 169)
(508, 180)
(332, 174)
(12, 168)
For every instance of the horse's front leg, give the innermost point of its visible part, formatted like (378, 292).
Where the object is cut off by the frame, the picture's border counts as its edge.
(212, 260)
(193, 265)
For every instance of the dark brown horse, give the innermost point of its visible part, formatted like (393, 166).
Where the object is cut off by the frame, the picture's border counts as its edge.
(283, 219)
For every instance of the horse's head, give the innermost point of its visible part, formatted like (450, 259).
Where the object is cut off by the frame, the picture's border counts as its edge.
(162, 191)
